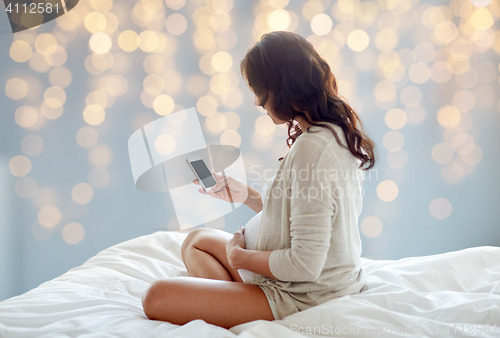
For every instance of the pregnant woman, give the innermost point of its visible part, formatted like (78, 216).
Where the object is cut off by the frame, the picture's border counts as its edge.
(303, 246)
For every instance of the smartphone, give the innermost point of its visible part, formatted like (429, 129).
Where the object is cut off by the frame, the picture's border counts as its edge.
(202, 173)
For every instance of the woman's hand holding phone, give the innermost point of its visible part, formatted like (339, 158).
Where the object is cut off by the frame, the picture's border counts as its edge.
(230, 189)
(237, 189)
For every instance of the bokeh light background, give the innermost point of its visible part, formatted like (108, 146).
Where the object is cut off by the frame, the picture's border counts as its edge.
(422, 75)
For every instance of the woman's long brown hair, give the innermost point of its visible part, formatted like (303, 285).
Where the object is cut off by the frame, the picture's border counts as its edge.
(285, 69)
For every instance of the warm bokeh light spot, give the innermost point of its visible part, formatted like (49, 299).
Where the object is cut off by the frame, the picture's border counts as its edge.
(16, 88)
(101, 5)
(117, 84)
(165, 144)
(279, 19)
(153, 84)
(58, 58)
(95, 22)
(154, 64)
(20, 51)
(358, 40)
(387, 190)
(100, 156)
(231, 137)
(419, 72)
(371, 226)
(128, 41)
(49, 216)
(482, 18)
(73, 233)
(50, 112)
(386, 40)
(206, 105)
(474, 157)
(448, 116)
(222, 61)
(215, 122)
(20, 166)
(442, 153)
(453, 172)
(46, 44)
(462, 140)
(94, 114)
(26, 116)
(446, 32)
(38, 63)
(395, 118)
(440, 208)
(60, 76)
(176, 24)
(321, 24)
(100, 43)
(87, 137)
(312, 8)
(163, 104)
(264, 125)
(231, 121)
(385, 91)
(82, 193)
(411, 96)
(98, 97)
(148, 41)
(54, 97)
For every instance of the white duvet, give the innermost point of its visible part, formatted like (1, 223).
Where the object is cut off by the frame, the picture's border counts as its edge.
(456, 294)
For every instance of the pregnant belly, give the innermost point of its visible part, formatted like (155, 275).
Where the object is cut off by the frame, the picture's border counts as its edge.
(251, 232)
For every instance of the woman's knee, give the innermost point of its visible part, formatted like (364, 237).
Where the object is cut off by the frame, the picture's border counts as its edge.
(150, 299)
(198, 238)
(164, 298)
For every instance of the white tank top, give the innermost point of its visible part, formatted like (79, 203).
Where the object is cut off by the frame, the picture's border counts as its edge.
(251, 232)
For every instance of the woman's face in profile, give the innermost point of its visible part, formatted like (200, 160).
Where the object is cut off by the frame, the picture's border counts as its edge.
(268, 111)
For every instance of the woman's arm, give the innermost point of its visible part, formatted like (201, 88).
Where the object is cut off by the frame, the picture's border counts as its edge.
(252, 260)
(254, 200)
(233, 190)
(313, 209)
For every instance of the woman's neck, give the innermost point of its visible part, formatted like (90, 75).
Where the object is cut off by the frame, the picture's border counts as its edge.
(302, 123)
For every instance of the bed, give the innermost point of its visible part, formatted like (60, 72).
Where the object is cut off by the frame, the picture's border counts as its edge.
(454, 294)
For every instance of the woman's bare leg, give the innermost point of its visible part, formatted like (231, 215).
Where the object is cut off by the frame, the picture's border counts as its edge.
(179, 300)
(204, 254)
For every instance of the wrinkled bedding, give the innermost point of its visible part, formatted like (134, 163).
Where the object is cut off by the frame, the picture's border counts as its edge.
(455, 294)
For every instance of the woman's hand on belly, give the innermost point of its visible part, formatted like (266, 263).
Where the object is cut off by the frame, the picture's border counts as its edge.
(233, 245)
(252, 260)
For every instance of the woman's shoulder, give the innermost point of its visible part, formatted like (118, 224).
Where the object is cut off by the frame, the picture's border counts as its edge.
(320, 137)
(318, 144)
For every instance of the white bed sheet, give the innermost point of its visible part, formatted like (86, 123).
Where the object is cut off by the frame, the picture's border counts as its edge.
(422, 295)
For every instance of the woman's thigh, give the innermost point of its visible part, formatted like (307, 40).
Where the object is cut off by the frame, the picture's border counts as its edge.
(179, 300)
(212, 241)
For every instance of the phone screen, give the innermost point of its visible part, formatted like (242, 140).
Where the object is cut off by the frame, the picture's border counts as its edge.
(206, 177)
